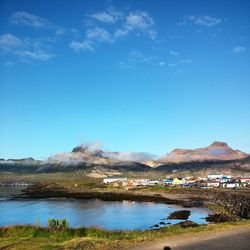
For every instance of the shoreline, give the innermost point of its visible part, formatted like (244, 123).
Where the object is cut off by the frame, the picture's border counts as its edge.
(41, 191)
(234, 203)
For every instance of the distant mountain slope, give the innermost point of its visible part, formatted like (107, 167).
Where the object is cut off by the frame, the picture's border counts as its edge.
(239, 165)
(24, 165)
(216, 151)
(85, 158)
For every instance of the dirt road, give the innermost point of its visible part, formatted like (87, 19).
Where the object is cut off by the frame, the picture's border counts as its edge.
(233, 239)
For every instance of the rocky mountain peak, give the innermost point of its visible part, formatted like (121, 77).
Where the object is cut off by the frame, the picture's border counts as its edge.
(219, 144)
(216, 151)
(85, 149)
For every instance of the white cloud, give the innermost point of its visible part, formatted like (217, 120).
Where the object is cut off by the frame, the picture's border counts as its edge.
(9, 42)
(206, 21)
(173, 53)
(61, 31)
(92, 37)
(187, 61)
(77, 46)
(239, 49)
(137, 21)
(98, 34)
(109, 16)
(140, 20)
(25, 49)
(132, 21)
(136, 57)
(35, 55)
(130, 156)
(136, 54)
(37, 22)
(127, 65)
(27, 19)
(121, 25)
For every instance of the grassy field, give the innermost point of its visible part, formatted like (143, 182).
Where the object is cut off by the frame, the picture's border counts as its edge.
(64, 179)
(26, 237)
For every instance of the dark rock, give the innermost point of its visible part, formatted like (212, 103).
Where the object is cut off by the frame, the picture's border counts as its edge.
(156, 225)
(188, 223)
(180, 215)
(217, 218)
(162, 223)
(189, 204)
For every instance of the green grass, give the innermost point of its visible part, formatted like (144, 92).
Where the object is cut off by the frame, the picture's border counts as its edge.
(63, 179)
(25, 237)
(217, 208)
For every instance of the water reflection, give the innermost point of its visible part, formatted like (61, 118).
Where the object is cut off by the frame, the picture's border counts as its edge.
(104, 214)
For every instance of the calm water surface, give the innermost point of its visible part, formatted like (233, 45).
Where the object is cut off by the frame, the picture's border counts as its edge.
(104, 214)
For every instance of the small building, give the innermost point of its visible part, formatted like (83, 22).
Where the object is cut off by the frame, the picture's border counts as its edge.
(231, 184)
(138, 182)
(168, 182)
(245, 179)
(225, 179)
(191, 180)
(154, 182)
(214, 176)
(213, 183)
(178, 181)
(142, 182)
(110, 180)
(119, 184)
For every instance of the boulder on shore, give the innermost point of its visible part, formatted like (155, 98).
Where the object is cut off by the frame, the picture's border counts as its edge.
(180, 215)
(188, 223)
(218, 218)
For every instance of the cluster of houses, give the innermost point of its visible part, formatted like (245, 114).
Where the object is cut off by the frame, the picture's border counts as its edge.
(131, 182)
(212, 181)
(226, 181)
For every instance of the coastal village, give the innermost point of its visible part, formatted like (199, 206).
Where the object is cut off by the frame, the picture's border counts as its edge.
(216, 180)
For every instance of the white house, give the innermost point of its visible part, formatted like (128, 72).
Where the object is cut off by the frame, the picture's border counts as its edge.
(214, 176)
(154, 182)
(213, 183)
(110, 180)
(142, 182)
(230, 184)
(225, 179)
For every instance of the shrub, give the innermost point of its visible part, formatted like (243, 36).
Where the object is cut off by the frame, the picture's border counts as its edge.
(56, 225)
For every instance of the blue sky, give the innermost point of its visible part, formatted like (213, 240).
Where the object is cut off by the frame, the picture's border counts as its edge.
(135, 75)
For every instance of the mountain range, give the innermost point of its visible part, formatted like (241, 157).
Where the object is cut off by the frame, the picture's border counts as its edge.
(98, 163)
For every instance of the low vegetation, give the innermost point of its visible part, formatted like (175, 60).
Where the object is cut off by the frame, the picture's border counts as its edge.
(57, 225)
(26, 237)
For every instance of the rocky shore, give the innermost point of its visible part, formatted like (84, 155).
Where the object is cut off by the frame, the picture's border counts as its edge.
(235, 202)
(54, 190)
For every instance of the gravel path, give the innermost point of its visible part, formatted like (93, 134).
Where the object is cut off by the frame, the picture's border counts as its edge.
(233, 239)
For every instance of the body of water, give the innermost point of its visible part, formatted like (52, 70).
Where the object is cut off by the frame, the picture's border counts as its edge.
(114, 215)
